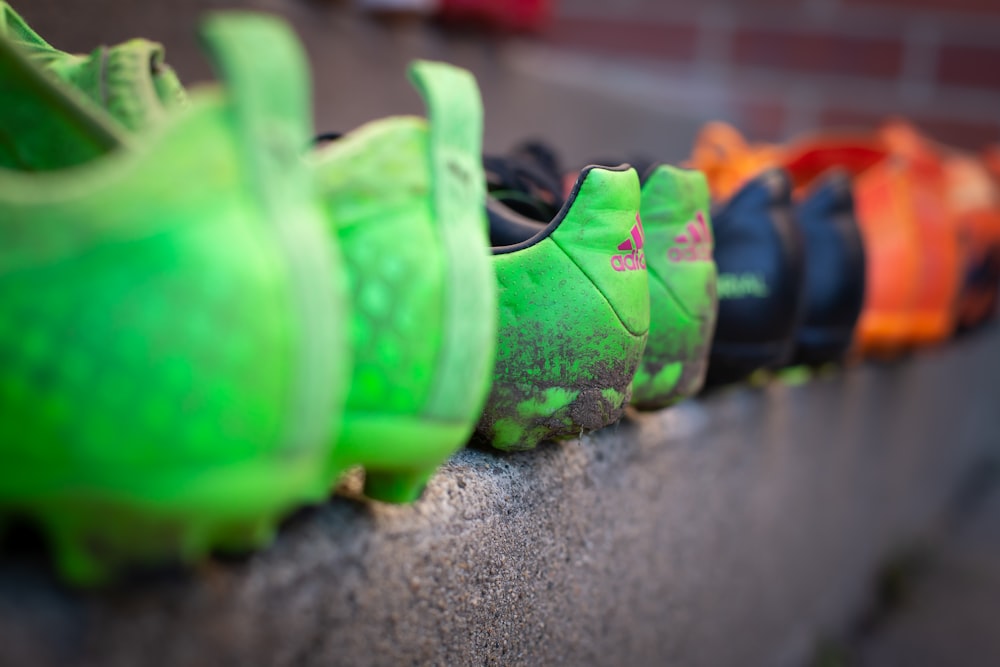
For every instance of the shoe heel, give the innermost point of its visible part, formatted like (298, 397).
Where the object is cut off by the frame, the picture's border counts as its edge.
(88, 554)
(240, 537)
(692, 377)
(77, 562)
(399, 486)
(399, 454)
(95, 537)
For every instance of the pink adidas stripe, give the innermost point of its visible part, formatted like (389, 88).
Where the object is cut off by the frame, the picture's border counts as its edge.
(695, 232)
(637, 237)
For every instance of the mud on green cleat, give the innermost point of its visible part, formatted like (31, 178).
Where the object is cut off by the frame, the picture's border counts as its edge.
(405, 198)
(682, 286)
(574, 313)
(131, 81)
(173, 355)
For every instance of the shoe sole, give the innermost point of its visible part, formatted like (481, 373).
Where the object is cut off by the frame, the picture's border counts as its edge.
(816, 346)
(690, 379)
(884, 334)
(177, 518)
(396, 474)
(931, 328)
(730, 362)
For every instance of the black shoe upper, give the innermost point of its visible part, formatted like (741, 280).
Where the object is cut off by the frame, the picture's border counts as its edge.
(528, 180)
(834, 271)
(759, 251)
(524, 203)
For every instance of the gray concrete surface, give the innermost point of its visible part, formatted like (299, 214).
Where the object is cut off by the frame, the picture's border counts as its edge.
(733, 530)
(947, 609)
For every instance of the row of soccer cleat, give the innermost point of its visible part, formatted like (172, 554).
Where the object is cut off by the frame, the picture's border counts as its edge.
(205, 328)
(928, 217)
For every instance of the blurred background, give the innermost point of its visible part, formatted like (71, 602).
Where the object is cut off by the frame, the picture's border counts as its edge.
(598, 78)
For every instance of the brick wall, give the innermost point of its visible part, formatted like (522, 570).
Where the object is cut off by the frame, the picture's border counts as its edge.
(778, 67)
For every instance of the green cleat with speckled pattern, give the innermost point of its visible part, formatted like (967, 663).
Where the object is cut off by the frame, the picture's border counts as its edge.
(682, 286)
(574, 313)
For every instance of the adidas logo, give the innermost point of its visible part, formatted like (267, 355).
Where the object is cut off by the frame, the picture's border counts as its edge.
(695, 245)
(635, 260)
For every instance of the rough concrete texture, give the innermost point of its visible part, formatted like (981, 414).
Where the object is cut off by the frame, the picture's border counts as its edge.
(732, 530)
(946, 613)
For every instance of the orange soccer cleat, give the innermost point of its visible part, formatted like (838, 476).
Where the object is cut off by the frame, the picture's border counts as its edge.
(911, 241)
(974, 199)
(941, 256)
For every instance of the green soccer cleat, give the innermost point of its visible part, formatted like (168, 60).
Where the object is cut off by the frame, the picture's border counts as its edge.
(130, 81)
(405, 199)
(678, 252)
(172, 361)
(682, 276)
(574, 313)
(435, 421)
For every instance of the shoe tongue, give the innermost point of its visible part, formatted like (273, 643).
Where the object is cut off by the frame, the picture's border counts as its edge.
(527, 180)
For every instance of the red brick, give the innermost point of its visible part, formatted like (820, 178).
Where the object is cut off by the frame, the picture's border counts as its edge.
(817, 52)
(761, 120)
(656, 39)
(752, 6)
(977, 66)
(961, 6)
(659, 8)
(850, 119)
(971, 134)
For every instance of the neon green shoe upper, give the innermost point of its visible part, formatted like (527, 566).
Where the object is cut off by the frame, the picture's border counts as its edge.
(130, 81)
(405, 197)
(172, 361)
(47, 125)
(574, 313)
(421, 361)
(682, 276)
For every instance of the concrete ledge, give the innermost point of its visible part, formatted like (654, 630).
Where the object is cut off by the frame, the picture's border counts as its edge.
(730, 530)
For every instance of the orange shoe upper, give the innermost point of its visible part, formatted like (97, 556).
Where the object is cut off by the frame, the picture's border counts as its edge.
(727, 160)
(921, 225)
(942, 259)
(891, 249)
(915, 267)
(974, 198)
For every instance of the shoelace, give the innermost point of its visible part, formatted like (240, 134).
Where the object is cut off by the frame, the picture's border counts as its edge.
(527, 180)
